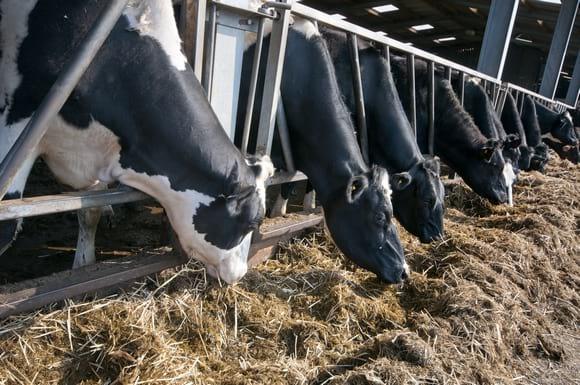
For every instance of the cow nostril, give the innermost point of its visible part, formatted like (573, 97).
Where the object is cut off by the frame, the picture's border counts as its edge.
(404, 275)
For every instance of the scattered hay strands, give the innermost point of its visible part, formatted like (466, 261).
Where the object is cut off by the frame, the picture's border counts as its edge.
(497, 302)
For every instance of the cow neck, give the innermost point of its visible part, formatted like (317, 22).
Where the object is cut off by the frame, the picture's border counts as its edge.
(393, 144)
(530, 123)
(321, 131)
(188, 145)
(455, 130)
(547, 119)
(511, 120)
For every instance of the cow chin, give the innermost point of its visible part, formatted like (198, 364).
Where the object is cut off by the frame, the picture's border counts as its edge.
(233, 263)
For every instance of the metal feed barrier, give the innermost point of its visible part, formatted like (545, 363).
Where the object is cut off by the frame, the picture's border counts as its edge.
(203, 25)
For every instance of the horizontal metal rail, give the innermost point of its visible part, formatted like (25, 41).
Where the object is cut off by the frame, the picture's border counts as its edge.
(72, 201)
(59, 93)
(538, 97)
(111, 275)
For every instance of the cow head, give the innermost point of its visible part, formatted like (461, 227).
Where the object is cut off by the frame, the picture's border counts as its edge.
(418, 200)
(564, 151)
(563, 130)
(365, 205)
(540, 158)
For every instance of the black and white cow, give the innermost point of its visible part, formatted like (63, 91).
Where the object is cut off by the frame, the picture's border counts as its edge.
(458, 141)
(418, 199)
(479, 106)
(512, 123)
(558, 132)
(356, 198)
(556, 126)
(540, 156)
(139, 117)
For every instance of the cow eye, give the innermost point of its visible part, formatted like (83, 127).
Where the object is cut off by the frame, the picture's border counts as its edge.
(380, 218)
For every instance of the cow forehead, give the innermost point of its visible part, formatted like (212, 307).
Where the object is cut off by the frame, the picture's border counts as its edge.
(155, 19)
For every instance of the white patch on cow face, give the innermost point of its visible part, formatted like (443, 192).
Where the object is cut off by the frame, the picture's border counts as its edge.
(386, 185)
(510, 178)
(81, 158)
(305, 27)
(13, 30)
(154, 18)
(266, 171)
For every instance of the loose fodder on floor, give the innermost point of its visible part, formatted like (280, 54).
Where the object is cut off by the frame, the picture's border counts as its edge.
(496, 302)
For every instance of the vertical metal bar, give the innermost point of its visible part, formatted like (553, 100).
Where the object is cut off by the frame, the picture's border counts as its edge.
(284, 136)
(253, 86)
(412, 94)
(273, 79)
(484, 85)
(431, 103)
(462, 87)
(198, 46)
(59, 92)
(448, 72)
(387, 54)
(209, 51)
(361, 118)
(496, 94)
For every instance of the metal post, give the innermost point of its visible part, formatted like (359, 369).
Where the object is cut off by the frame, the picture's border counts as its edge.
(253, 85)
(387, 54)
(361, 118)
(431, 104)
(462, 87)
(558, 48)
(412, 94)
(497, 36)
(209, 51)
(59, 93)
(521, 102)
(273, 78)
(284, 136)
(572, 94)
(198, 46)
(448, 73)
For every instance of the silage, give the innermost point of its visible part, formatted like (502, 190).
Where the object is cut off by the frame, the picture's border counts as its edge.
(496, 302)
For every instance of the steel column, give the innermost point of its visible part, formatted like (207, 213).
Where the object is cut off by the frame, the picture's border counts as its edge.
(361, 118)
(273, 78)
(558, 48)
(209, 51)
(198, 45)
(412, 94)
(253, 86)
(461, 87)
(284, 136)
(496, 40)
(574, 87)
(431, 106)
(59, 93)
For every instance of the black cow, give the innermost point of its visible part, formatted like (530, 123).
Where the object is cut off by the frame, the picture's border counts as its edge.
(139, 117)
(478, 104)
(540, 156)
(355, 197)
(418, 202)
(512, 123)
(458, 141)
(558, 132)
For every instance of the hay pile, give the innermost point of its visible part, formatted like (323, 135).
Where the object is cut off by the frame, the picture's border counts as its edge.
(497, 302)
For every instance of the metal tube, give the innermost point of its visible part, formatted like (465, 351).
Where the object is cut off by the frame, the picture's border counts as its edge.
(253, 86)
(448, 73)
(412, 94)
(59, 93)
(462, 87)
(200, 13)
(431, 103)
(387, 54)
(284, 136)
(361, 118)
(273, 79)
(209, 51)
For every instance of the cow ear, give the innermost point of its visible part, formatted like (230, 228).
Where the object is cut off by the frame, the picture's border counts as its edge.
(488, 149)
(512, 141)
(356, 187)
(262, 168)
(433, 164)
(400, 181)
